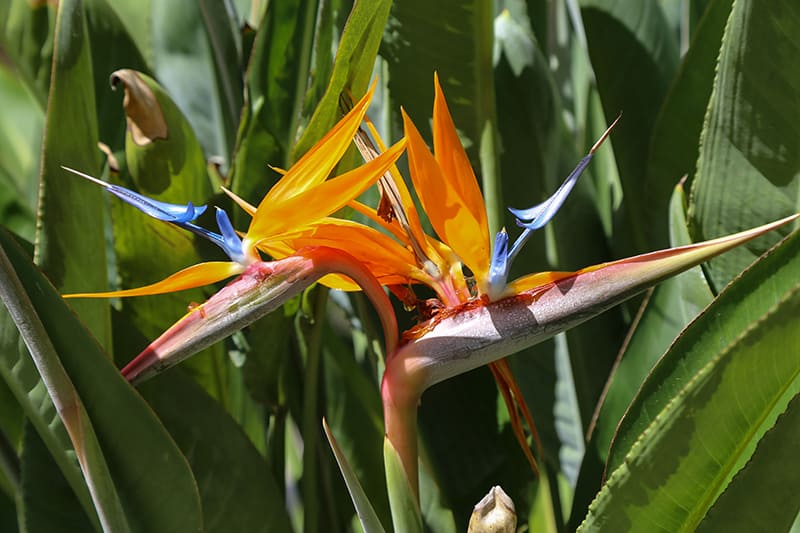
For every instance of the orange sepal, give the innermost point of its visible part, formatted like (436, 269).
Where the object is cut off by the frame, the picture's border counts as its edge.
(318, 202)
(188, 278)
(315, 166)
(444, 204)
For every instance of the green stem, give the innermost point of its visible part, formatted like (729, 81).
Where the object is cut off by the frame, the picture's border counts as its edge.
(64, 397)
(400, 447)
(311, 413)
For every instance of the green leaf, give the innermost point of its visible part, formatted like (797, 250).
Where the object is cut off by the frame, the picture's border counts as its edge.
(65, 398)
(747, 171)
(206, 29)
(274, 89)
(672, 305)
(21, 125)
(106, 26)
(676, 135)
(692, 448)
(70, 240)
(223, 465)
(27, 37)
(141, 457)
(47, 501)
(453, 38)
(353, 411)
(733, 311)
(366, 514)
(634, 56)
(23, 382)
(405, 510)
(355, 57)
(774, 504)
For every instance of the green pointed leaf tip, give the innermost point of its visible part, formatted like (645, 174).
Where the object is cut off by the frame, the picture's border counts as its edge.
(755, 292)
(366, 514)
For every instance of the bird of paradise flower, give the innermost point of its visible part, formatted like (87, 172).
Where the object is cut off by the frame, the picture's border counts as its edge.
(481, 317)
(302, 197)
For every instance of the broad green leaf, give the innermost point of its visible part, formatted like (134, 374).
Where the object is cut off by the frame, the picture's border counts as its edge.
(748, 170)
(676, 134)
(686, 456)
(367, 517)
(223, 460)
(273, 92)
(70, 240)
(141, 457)
(47, 502)
(27, 37)
(405, 510)
(106, 26)
(672, 305)
(566, 411)
(165, 162)
(206, 84)
(22, 380)
(634, 56)
(763, 495)
(21, 127)
(453, 38)
(355, 57)
(733, 311)
(71, 411)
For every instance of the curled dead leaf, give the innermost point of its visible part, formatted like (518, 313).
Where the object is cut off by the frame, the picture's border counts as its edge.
(144, 115)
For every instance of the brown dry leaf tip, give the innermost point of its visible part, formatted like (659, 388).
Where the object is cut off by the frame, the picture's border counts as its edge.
(144, 115)
(113, 164)
(494, 514)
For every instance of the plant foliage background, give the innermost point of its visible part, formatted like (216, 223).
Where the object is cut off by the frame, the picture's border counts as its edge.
(705, 373)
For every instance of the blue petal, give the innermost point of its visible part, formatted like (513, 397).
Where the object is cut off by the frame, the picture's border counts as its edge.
(158, 210)
(498, 270)
(539, 215)
(154, 208)
(232, 244)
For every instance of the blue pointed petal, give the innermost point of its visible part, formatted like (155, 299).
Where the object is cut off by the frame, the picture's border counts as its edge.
(232, 244)
(539, 215)
(158, 210)
(498, 270)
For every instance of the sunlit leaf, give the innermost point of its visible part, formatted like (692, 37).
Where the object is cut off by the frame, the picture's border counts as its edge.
(747, 171)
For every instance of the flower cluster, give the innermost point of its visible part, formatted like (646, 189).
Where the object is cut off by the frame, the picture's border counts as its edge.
(296, 225)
